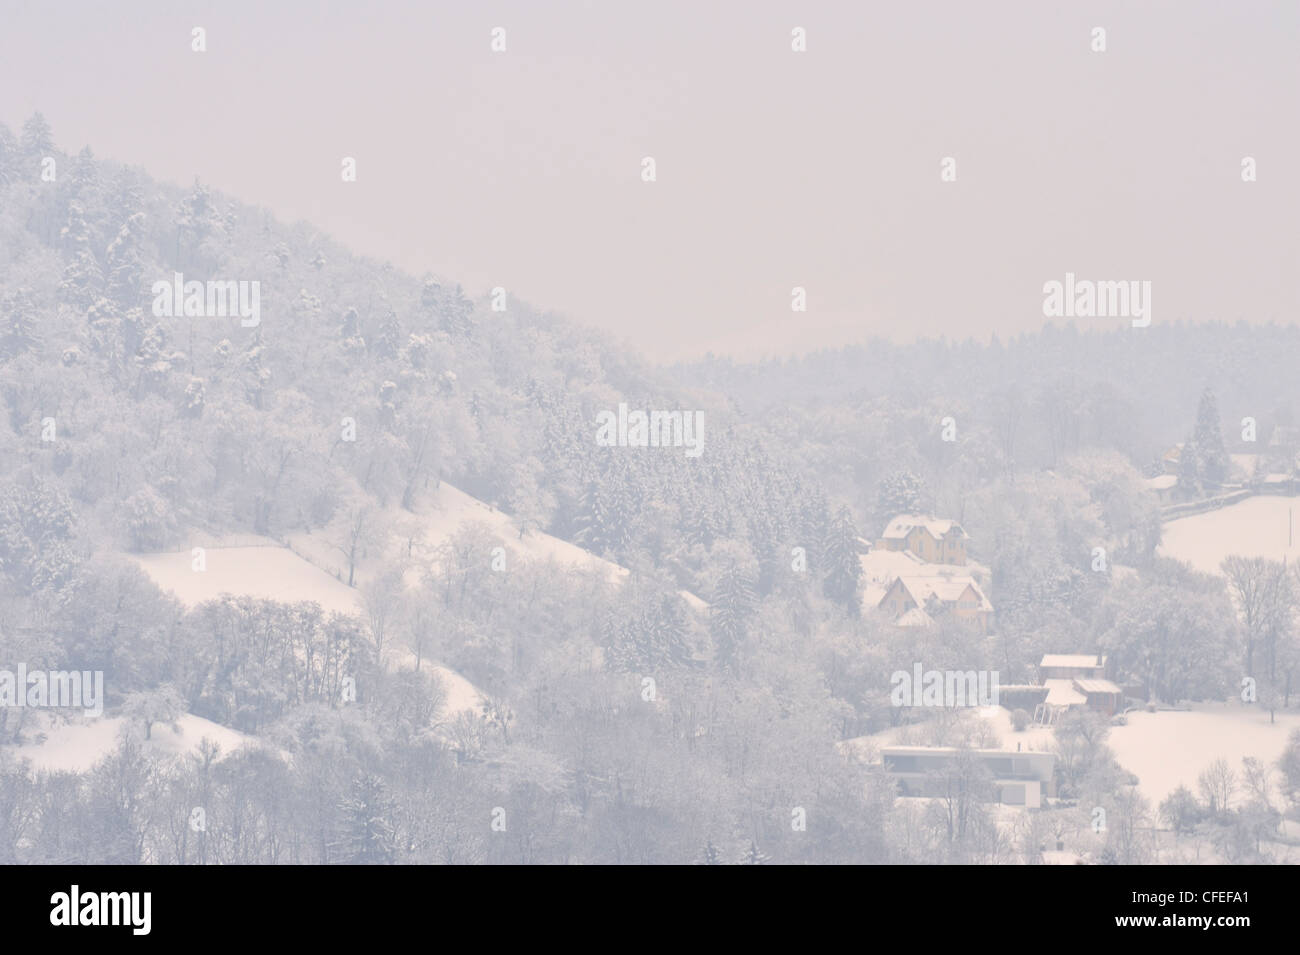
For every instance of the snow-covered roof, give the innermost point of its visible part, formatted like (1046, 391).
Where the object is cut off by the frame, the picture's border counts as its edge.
(902, 525)
(947, 589)
(1071, 660)
(1097, 686)
(1063, 693)
(881, 568)
(1040, 758)
(1163, 482)
(916, 617)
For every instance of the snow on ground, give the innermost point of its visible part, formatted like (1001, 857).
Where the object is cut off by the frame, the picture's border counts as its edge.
(1163, 749)
(461, 694)
(438, 517)
(276, 573)
(1261, 526)
(443, 513)
(1034, 738)
(78, 745)
(269, 571)
(313, 568)
(1173, 747)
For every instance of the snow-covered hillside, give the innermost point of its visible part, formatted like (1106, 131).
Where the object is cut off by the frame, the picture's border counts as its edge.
(438, 517)
(275, 573)
(313, 568)
(77, 745)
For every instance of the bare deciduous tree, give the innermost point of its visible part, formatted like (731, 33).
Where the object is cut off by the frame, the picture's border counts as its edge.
(1217, 784)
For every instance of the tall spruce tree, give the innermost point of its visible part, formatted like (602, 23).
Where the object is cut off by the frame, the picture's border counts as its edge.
(38, 138)
(126, 264)
(843, 569)
(83, 279)
(733, 604)
(1210, 454)
(367, 835)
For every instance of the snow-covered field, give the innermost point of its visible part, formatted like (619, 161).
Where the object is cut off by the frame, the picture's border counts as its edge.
(268, 570)
(276, 573)
(1174, 747)
(78, 745)
(1256, 527)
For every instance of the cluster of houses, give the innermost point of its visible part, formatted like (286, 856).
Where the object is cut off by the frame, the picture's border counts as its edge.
(919, 568)
(1273, 468)
(1066, 681)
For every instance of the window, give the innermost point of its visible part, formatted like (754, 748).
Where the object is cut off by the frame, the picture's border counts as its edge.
(903, 764)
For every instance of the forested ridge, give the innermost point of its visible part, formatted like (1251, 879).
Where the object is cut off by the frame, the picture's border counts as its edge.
(128, 433)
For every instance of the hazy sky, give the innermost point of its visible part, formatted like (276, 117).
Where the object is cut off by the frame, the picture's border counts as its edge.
(775, 168)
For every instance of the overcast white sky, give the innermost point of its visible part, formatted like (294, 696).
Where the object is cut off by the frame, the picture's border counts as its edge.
(775, 169)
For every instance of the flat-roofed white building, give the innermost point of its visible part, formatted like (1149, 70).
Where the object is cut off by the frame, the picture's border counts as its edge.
(1019, 778)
